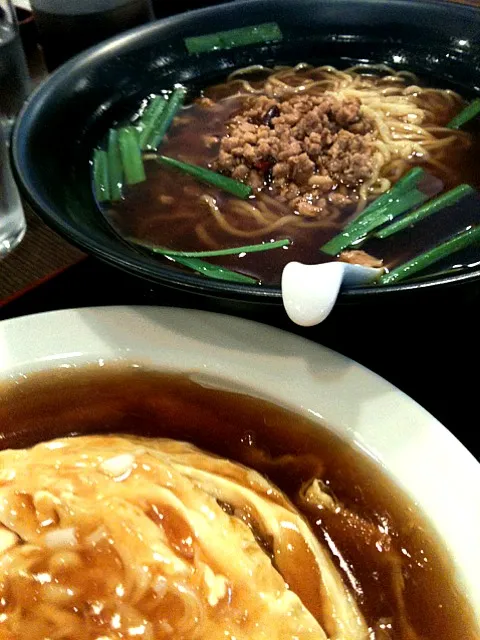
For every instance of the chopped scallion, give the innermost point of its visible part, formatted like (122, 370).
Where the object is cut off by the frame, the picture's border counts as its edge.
(165, 119)
(115, 166)
(402, 186)
(432, 206)
(421, 262)
(150, 119)
(214, 271)
(131, 155)
(252, 248)
(100, 175)
(374, 219)
(471, 111)
(206, 175)
(267, 32)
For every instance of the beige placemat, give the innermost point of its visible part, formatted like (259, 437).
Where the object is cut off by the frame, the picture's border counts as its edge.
(41, 254)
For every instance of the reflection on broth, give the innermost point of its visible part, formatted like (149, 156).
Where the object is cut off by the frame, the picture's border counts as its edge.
(317, 145)
(223, 516)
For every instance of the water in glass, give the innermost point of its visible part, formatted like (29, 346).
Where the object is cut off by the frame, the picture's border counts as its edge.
(14, 87)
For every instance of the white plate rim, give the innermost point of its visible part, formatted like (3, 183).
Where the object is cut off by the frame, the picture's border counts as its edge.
(423, 457)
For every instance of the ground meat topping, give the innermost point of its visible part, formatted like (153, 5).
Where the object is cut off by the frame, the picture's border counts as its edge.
(310, 143)
(357, 256)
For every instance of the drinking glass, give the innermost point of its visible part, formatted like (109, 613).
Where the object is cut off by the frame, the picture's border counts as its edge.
(14, 88)
(67, 27)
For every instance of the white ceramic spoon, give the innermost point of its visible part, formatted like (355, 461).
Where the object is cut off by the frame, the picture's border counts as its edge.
(309, 291)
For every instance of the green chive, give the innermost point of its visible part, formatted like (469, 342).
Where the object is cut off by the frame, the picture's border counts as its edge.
(201, 44)
(252, 248)
(437, 204)
(115, 167)
(251, 35)
(267, 32)
(402, 186)
(163, 122)
(471, 111)
(374, 219)
(214, 271)
(150, 119)
(421, 262)
(437, 275)
(210, 177)
(131, 155)
(100, 175)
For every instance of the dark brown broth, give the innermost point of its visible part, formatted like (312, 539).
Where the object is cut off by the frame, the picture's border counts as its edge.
(143, 216)
(258, 434)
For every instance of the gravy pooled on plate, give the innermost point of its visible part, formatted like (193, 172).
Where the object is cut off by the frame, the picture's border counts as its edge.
(223, 516)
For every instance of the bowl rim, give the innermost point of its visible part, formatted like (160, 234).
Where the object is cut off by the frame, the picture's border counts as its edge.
(132, 260)
(422, 457)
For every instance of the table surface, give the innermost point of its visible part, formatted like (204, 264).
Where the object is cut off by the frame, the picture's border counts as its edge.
(426, 346)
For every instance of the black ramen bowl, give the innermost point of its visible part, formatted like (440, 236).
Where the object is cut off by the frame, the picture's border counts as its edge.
(70, 112)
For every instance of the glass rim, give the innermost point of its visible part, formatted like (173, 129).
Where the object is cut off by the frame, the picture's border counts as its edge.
(8, 13)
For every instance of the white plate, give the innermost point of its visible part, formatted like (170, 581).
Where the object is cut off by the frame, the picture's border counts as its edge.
(23, 4)
(421, 455)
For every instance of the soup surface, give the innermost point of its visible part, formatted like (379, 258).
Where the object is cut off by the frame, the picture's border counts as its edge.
(82, 519)
(317, 145)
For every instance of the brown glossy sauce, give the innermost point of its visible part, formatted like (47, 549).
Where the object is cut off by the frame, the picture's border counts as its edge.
(290, 450)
